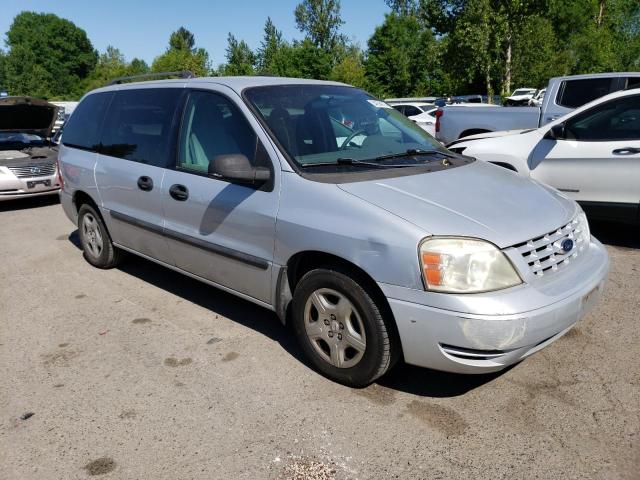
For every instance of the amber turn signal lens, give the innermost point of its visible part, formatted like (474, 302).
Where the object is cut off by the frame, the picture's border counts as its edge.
(431, 265)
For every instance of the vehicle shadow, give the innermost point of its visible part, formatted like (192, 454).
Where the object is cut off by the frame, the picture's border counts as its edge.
(425, 382)
(230, 306)
(405, 378)
(616, 234)
(25, 203)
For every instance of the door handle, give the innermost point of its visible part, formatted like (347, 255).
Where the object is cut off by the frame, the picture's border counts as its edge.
(626, 151)
(179, 192)
(145, 183)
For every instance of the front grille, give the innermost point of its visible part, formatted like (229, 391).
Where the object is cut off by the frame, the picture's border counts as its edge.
(545, 254)
(37, 170)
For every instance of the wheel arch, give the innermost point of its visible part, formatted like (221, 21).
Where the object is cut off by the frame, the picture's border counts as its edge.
(302, 262)
(80, 197)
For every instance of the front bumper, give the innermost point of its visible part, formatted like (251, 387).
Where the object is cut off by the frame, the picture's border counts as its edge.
(12, 187)
(452, 340)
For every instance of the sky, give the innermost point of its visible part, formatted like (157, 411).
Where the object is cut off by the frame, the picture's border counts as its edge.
(141, 28)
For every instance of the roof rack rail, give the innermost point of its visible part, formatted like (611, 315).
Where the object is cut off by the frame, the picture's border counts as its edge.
(182, 74)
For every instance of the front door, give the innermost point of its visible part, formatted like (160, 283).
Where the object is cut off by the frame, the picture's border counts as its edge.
(598, 164)
(217, 230)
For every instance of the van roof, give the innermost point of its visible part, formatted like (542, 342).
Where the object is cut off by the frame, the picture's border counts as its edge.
(235, 83)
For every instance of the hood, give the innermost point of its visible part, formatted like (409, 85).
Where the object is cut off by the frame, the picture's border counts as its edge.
(503, 133)
(477, 200)
(27, 115)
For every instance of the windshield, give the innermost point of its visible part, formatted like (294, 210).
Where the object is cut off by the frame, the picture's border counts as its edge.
(523, 91)
(320, 124)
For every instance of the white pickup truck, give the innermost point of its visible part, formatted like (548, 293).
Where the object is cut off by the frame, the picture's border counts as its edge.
(563, 95)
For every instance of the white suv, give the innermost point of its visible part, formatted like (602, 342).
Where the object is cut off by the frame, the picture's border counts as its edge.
(591, 154)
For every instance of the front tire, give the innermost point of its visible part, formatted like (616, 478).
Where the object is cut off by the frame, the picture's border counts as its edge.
(96, 243)
(341, 328)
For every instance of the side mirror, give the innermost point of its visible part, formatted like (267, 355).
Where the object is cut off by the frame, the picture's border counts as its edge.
(557, 132)
(237, 168)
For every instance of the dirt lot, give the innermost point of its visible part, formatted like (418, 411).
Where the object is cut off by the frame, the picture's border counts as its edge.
(140, 372)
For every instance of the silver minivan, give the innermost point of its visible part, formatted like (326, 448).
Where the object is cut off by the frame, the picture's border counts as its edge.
(329, 207)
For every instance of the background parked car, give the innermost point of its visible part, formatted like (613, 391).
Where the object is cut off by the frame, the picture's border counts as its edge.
(537, 99)
(65, 109)
(411, 109)
(27, 156)
(591, 154)
(520, 96)
(563, 95)
(422, 113)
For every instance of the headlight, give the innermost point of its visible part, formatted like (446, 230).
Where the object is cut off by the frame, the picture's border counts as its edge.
(465, 265)
(582, 232)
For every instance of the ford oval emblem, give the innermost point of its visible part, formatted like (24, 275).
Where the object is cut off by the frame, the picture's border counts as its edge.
(567, 245)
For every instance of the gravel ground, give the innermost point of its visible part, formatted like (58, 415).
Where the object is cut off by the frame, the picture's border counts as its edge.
(139, 372)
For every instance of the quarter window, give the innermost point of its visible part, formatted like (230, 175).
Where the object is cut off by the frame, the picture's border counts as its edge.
(138, 125)
(82, 130)
(211, 126)
(615, 120)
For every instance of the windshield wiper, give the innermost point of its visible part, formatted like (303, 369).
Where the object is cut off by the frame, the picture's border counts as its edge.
(350, 162)
(412, 152)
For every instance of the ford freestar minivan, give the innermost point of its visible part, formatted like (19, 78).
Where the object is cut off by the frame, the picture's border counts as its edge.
(326, 205)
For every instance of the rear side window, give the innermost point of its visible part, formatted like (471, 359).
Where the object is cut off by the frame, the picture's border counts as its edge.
(575, 93)
(82, 130)
(138, 125)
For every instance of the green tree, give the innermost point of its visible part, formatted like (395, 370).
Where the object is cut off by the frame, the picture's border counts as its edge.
(598, 35)
(270, 49)
(350, 69)
(240, 59)
(3, 76)
(403, 7)
(535, 54)
(183, 55)
(486, 38)
(48, 56)
(182, 39)
(402, 57)
(309, 61)
(111, 65)
(320, 20)
(137, 67)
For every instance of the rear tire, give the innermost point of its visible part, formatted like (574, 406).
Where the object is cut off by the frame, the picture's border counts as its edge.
(96, 243)
(341, 328)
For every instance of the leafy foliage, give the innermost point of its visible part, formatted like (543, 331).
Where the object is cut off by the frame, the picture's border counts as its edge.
(422, 47)
(183, 55)
(240, 58)
(320, 20)
(48, 56)
(402, 57)
(111, 64)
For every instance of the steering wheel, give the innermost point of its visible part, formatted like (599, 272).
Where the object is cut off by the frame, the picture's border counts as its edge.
(353, 135)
